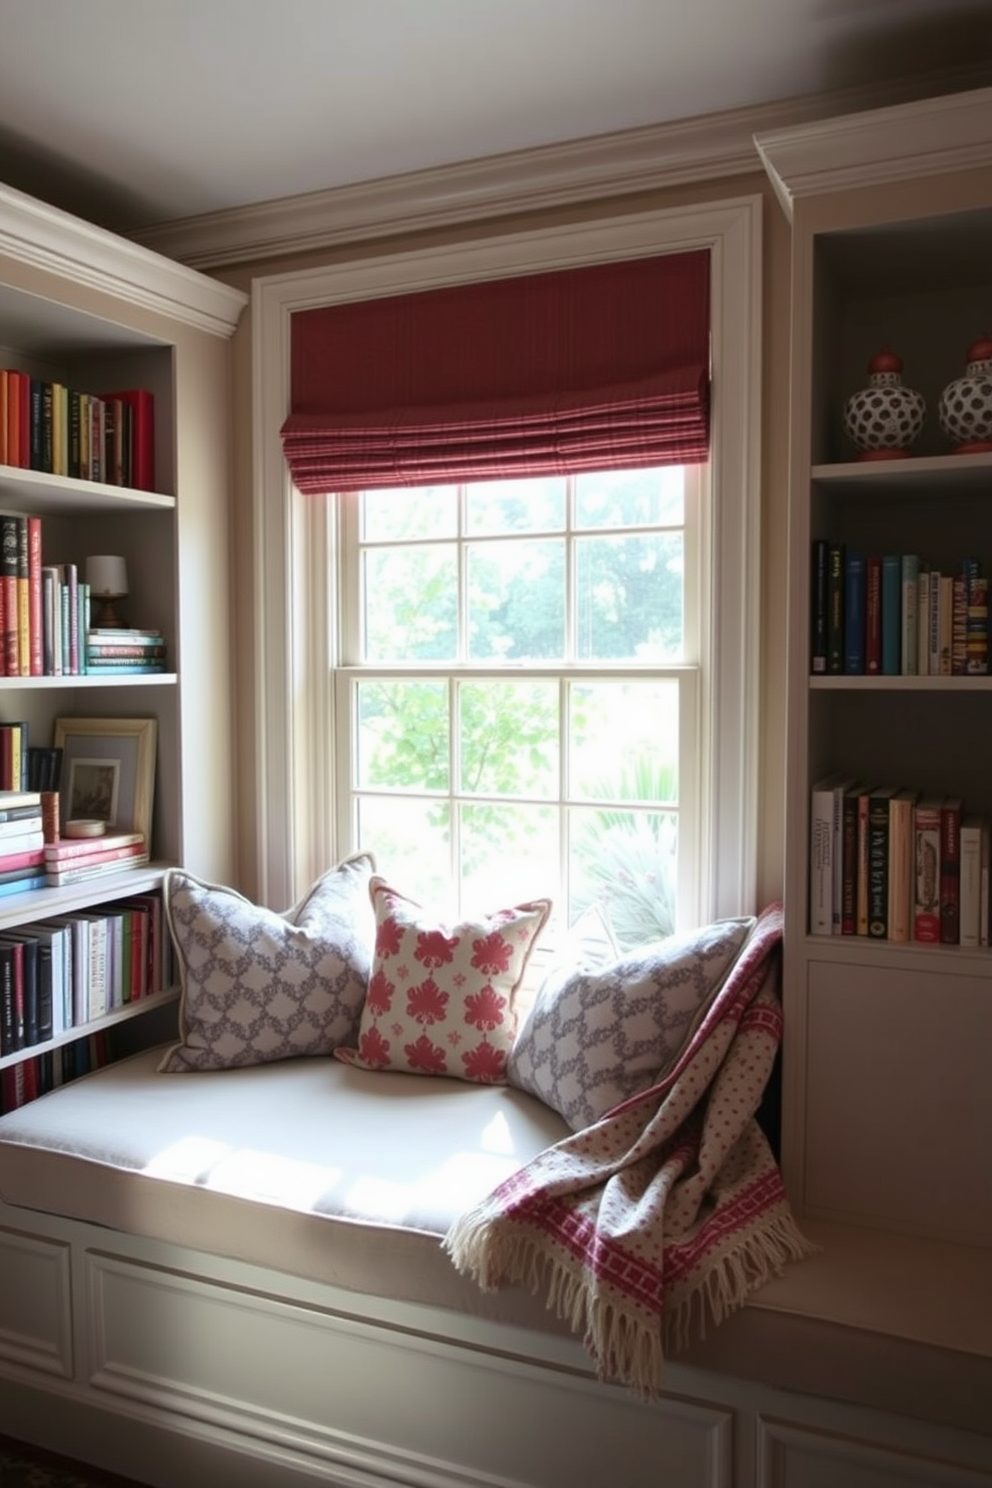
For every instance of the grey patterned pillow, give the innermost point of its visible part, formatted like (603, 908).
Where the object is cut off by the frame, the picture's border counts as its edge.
(596, 1036)
(258, 986)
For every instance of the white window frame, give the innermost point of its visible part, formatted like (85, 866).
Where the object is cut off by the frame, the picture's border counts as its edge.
(294, 541)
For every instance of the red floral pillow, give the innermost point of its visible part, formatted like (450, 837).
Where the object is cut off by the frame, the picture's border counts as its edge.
(440, 998)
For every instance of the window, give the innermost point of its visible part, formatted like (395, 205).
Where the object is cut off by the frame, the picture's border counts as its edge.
(304, 625)
(517, 697)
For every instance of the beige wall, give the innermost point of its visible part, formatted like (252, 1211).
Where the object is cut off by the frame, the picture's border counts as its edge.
(773, 493)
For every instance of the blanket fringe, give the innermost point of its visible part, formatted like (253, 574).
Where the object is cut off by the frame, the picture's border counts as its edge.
(626, 1349)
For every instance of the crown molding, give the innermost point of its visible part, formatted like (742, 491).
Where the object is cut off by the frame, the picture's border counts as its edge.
(630, 162)
(905, 141)
(35, 234)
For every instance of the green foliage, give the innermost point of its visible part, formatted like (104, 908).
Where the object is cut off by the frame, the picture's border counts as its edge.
(626, 860)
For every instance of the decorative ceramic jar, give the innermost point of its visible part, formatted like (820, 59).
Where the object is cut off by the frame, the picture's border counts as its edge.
(884, 419)
(965, 408)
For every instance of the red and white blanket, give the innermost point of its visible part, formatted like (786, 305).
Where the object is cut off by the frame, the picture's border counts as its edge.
(670, 1210)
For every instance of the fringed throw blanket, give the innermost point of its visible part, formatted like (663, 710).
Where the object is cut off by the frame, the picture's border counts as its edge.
(668, 1211)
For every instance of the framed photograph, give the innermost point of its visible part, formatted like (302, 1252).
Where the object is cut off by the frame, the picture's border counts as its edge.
(108, 771)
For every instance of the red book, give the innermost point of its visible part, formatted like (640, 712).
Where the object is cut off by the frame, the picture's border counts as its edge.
(18, 418)
(950, 870)
(141, 471)
(873, 615)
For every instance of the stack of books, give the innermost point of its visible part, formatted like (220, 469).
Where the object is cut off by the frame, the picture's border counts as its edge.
(75, 859)
(122, 653)
(22, 842)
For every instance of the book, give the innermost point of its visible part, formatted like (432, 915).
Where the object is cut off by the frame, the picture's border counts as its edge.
(10, 799)
(139, 467)
(818, 606)
(855, 590)
(12, 991)
(959, 632)
(891, 614)
(59, 877)
(8, 585)
(950, 870)
(923, 622)
(14, 843)
(909, 630)
(34, 595)
(100, 648)
(26, 968)
(878, 861)
(945, 625)
(901, 891)
(22, 862)
(123, 668)
(862, 798)
(67, 870)
(835, 608)
(849, 861)
(976, 618)
(20, 826)
(873, 614)
(973, 827)
(825, 828)
(70, 848)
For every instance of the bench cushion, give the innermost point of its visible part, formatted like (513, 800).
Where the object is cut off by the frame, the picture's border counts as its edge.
(306, 1166)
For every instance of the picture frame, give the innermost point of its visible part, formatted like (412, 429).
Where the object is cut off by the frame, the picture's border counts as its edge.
(108, 771)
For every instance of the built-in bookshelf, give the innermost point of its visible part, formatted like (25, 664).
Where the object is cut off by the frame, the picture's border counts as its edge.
(83, 310)
(885, 1054)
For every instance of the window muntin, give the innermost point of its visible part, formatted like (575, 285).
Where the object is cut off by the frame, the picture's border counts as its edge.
(517, 690)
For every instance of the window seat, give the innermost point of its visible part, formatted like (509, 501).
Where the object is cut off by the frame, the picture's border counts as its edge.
(247, 1265)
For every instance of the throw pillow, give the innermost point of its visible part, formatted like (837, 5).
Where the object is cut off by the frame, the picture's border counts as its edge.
(596, 1036)
(440, 998)
(258, 986)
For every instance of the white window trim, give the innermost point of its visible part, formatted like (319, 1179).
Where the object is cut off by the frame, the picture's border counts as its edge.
(294, 795)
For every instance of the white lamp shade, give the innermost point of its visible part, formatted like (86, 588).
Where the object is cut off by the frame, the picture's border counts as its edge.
(106, 576)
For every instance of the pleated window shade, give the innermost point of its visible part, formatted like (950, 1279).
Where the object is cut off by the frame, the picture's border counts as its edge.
(596, 368)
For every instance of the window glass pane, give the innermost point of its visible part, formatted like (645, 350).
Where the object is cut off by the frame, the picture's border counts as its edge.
(627, 498)
(516, 506)
(403, 515)
(624, 741)
(629, 598)
(516, 601)
(509, 738)
(509, 854)
(625, 861)
(402, 735)
(411, 842)
(410, 604)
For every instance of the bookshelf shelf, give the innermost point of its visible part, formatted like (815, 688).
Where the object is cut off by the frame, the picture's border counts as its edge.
(883, 1038)
(36, 492)
(93, 313)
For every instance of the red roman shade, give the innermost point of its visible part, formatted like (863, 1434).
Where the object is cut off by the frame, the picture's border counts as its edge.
(581, 369)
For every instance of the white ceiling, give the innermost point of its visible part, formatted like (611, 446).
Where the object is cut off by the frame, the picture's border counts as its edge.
(134, 112)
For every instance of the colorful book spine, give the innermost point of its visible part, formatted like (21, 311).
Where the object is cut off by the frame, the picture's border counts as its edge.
(855, 593)
(900, 887)
(973, 827)
(873, 615)
(835, 608)
(878, 862)
(950, 870)
(818, 606)
(926, 864)
(891, 614)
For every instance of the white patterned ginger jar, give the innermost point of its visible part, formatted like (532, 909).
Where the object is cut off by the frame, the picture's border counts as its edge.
(885, 418)
(965, 408)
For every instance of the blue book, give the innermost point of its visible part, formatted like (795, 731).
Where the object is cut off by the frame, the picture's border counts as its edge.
(855, 600)
(891, 614)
